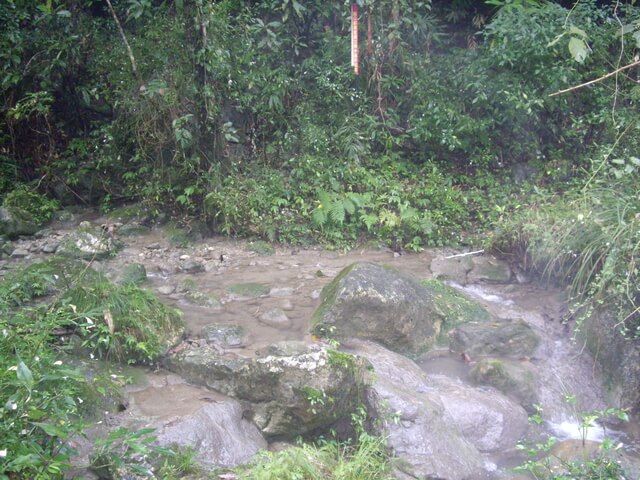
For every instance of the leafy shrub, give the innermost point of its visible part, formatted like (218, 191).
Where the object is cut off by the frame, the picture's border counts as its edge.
(37, 205)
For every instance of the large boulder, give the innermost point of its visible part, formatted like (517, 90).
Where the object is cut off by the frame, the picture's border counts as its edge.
(500, 337)
(289, 391)
(88, 242)
(619, 358)
(380, 304)
(15, 221)
(465, 269)
(410, 415)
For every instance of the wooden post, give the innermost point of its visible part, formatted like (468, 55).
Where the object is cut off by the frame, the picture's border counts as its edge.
(354, 38)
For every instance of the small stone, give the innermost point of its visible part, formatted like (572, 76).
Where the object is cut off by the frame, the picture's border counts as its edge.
(281, 292)
(287, 305)
(315, 294)
(275, 318)
(190, 266)
(166, 289)
(50, 247)
(154, 246)
(184, 257)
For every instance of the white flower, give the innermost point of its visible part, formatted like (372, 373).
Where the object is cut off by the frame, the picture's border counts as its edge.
(58, 362)
(14, 406)
(3, 453)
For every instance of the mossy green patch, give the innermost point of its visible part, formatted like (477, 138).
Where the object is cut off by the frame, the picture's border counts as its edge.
(340, 359)
(247, 290)
(454, 307)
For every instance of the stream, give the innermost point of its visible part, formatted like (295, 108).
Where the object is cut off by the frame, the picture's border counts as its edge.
(199, 281)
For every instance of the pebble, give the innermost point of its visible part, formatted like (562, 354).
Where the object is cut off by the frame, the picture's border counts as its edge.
(315, 294)
(166, 289)
(281, 292)
(50, 247)
(287, 305)
(154, 246)
(275, 318)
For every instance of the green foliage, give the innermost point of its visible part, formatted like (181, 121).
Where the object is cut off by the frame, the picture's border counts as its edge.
(588, 240)
(363, 459)
(39, 207)
(42, 279)
(41, 398)
(121, 322)
(591, 464)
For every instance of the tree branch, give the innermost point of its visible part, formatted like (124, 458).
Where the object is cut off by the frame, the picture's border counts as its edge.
(132, 59)
(599, 79)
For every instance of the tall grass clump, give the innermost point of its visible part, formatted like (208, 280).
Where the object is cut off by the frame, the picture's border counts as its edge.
(588, 241)
(364, 458)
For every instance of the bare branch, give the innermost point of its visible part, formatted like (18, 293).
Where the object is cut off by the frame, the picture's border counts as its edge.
(132, 59)
(599, 79)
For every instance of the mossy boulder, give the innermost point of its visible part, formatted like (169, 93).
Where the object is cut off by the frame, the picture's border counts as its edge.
(380, 304)
(515, 379)
(453, 306)
(500, 337)
(133, 273)
(619, 358)
(489, 269)
(15, 221)
(89, 242)
(288, 395)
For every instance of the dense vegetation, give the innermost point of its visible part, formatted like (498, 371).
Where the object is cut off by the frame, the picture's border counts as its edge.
(244, 118)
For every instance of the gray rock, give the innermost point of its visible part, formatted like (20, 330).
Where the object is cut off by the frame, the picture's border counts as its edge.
(380, 304)
(489, 269)
(190, 265)
(288, 395)
(218, 432)
(486, 418)
(455, 269)
(19, 253)
(50, 247)
(515, 379)
(414, 421)
(15, 222)
(88, 242)
(154, 246)
(618, 356)
(275, 318)
(225, 335)
(500, 337)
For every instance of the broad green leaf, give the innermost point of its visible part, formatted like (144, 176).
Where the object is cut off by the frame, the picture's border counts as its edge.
(24, 375)
(578, 49)
(573, 30)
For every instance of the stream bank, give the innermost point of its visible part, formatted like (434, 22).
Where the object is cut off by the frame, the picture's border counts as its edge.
(269, 297)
